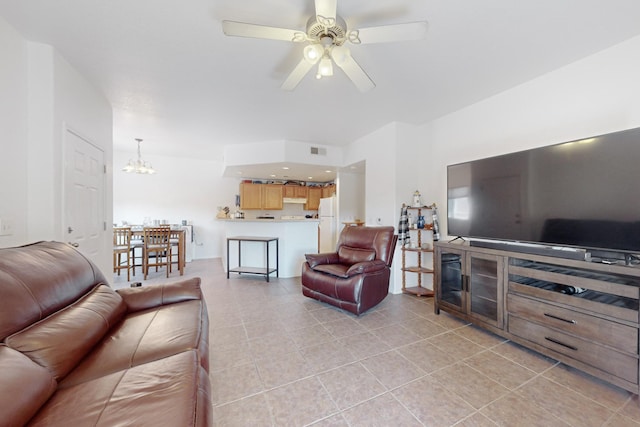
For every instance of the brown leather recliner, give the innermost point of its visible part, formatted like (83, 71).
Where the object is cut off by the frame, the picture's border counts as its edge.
(356, 276)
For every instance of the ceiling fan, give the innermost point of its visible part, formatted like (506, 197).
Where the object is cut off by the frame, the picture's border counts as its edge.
(326, 37)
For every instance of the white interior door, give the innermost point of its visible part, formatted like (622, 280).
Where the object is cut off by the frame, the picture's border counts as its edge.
(84, 196)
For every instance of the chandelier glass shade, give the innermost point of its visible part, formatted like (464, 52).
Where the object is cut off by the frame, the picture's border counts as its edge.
(139, 166)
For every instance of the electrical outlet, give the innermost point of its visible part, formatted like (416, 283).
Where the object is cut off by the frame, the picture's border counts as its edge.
(6, 227)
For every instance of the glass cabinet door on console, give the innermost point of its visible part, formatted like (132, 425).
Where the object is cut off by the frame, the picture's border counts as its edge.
(485, 290)
(451, 281)
(470, 283)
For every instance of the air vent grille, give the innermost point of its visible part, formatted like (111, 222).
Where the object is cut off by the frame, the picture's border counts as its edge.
(318, 151)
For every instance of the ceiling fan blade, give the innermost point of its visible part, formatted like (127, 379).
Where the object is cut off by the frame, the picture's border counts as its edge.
(297, 75)
(242, 29)
(343, 59)
(327, 9)
(390, 33)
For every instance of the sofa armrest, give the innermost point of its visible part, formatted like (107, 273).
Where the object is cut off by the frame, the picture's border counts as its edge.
(320, 259)
(366, 267)
(151, 296)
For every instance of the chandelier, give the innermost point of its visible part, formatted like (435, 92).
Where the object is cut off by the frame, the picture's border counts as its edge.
(139, 166)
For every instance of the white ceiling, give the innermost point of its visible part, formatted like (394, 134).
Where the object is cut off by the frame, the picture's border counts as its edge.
(176, 81)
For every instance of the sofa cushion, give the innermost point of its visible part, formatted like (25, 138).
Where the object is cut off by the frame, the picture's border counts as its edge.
(166, 392)
(24, 387)
(146, 336)
(61, 340)
(350, 256)
(40, 279)
(162, 294)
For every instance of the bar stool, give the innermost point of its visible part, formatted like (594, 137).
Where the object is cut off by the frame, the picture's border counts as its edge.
(156, 245)
(122, 247)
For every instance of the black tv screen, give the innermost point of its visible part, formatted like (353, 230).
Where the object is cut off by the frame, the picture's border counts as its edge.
(583, 193)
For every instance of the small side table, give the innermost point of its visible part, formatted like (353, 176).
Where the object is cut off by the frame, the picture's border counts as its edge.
(265, 271)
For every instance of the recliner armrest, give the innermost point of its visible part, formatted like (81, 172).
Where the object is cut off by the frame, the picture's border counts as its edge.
(156, 295)
(320, 259)
(366, 267)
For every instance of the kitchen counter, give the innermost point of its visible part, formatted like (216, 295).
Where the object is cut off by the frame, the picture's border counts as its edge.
(297, 237)
(314, 220)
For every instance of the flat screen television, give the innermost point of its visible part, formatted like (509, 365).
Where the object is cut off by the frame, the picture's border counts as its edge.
(583, 193)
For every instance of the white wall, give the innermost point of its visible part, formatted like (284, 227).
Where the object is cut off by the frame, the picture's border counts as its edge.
(351, 197)
(596, 95)
(13, 138)
(378, 150)
(183, 188)
(281, 151)
(42, 95)
(394, 165)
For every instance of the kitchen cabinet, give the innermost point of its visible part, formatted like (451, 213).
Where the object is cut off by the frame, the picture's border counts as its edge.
(272, 196)
(313, 198)
(328, 191)
(260, 196)
(295, 191)
(250, 196)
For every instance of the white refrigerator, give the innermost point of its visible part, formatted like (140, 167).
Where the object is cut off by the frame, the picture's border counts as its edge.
(328, 227)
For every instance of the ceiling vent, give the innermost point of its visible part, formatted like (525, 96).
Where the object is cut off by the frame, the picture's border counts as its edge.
(319, 151)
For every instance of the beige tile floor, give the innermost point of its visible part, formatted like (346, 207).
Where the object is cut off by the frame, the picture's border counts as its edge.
(281, 359)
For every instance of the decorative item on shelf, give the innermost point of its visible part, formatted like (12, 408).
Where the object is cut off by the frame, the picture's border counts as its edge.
(434, 225)
(421, 222)
(416, 199)
(404, 236)
(139, 166)
(223, 213)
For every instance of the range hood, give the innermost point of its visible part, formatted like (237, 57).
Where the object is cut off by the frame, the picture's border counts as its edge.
(298, 200)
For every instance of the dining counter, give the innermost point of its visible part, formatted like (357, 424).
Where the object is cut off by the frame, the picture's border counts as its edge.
(297, 237)
(310, 220)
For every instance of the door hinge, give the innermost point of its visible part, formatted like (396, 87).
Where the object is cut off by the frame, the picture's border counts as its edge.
(104, 169)
(104, 225)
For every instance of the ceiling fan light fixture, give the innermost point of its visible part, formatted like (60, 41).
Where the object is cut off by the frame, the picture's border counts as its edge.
(325, 34)
(340, 54)
(313, 52)
(325, 68)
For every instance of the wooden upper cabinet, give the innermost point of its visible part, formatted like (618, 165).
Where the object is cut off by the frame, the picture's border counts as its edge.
(260, 196)
(272, 196)
(250, 196)
(313, 199)
(295, 191)
(328, 191)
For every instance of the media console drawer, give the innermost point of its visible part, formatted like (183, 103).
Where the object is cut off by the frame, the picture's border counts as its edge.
(592, 328)
(621, 365)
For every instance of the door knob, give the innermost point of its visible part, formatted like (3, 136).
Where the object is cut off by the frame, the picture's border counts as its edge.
(74, 244)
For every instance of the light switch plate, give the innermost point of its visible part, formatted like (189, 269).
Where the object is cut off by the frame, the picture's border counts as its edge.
(6, 227)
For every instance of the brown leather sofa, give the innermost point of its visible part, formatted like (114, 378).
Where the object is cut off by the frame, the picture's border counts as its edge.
(74, 352)
(356, 276)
